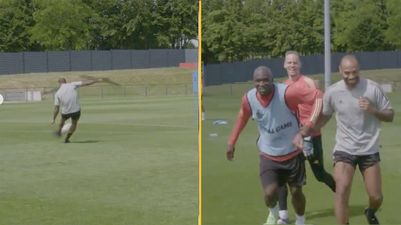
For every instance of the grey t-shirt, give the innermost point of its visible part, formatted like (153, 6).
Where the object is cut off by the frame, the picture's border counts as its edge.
(357, 131)
(67, 97)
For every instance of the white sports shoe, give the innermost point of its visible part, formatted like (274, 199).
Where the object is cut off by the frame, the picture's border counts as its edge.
(283, 221)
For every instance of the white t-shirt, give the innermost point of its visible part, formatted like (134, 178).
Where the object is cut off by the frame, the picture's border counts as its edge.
(67, 97)
(357, 131)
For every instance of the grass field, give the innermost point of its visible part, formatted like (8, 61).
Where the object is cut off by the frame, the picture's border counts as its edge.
(139, 82)
(232, 192)
(159, 76)
(133, 160)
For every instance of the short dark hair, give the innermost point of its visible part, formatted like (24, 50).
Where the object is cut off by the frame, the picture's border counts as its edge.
(62, 80)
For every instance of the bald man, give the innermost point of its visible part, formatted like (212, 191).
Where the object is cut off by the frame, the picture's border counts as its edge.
(67, 98)
(359, 106)
(274, 107)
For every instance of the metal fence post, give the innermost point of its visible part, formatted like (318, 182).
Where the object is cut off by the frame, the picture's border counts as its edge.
(47, 61)
(69, 62)
(23, 62)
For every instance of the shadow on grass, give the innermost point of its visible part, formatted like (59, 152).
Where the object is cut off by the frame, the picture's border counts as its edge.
(85, 142)
(354, 210)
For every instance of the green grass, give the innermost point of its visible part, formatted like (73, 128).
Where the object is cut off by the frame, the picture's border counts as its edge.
(232, 193)
(142, 77)
(131, 161)
(138, 82)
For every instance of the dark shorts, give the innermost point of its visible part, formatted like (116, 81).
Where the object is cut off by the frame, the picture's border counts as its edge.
(363, 161)
(74, 115)
(291, 172)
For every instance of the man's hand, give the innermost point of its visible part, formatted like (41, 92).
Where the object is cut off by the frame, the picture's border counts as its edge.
(298, 141)
(53, 121)
(365, 105)
(230, 152)
(308, 147)
(386, 115)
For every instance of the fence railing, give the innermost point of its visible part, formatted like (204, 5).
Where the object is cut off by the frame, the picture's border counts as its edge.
(96, 60)
(102, 92)
(224, 73)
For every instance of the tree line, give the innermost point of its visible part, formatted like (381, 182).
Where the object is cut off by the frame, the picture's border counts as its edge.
(237, 30)
(38, 25)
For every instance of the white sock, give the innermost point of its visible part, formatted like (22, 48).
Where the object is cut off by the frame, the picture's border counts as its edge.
(300, 219)
(203, 116)
(283, 214)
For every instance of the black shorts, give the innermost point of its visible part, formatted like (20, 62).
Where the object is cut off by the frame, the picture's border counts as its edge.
(74, 115)
(363, 161)
(291, 172)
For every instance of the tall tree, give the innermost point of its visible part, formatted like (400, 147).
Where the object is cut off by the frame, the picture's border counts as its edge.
(311, 27)
(15, 20)
(223, 36)
(258, 21)
(261, 28)
(177, 21)
(141, 24)
(61, 24)
(144, 24)
(293, 25)
(124, 24)
(105, 24)
(364, 32)
(392, 33)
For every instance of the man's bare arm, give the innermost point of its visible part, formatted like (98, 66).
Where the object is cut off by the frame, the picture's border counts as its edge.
(89, 82)
(55, 113)
(386, 115)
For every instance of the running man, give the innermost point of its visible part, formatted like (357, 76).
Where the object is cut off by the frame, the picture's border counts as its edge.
(67, 98)
(313, 143)
(273, 107)
(359, 106)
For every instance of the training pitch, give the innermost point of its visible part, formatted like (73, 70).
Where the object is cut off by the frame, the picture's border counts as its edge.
(132, 160)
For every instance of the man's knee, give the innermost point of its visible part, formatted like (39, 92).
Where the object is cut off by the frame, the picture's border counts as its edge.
(271, 195)
(342, 188)
(343, 185)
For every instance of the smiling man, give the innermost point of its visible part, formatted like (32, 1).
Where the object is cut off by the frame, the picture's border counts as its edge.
(274, 109)
(313, 147)
(359, 106)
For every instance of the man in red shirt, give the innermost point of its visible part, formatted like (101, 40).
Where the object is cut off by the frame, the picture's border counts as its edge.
(274, 108)
(292, 64)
